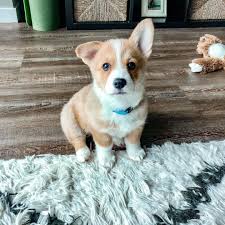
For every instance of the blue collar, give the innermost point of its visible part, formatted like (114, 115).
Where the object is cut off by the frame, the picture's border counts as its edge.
(123, 112)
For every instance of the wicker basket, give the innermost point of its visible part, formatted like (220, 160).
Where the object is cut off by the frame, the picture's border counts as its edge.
(207, 10)
(100, 10)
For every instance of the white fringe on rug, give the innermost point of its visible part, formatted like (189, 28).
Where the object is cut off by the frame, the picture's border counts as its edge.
(174, 184)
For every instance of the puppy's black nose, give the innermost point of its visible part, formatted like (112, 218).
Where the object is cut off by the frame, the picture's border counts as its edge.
(119, 83)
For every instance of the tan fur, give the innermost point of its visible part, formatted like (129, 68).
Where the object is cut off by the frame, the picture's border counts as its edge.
(83, 113)
(209, 64)
(134, 136)
(136, 33)
(87, 50)
(101, 139)
(104, 55)
(130, 54)
(107, 55)
(84, 109)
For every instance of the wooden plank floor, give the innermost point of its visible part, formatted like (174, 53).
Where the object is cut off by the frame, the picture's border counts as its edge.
(39, 73)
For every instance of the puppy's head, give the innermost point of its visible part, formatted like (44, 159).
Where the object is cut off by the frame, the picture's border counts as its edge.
(116, 64)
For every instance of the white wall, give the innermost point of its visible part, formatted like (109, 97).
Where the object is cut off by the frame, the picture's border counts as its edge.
(6, 4)
(7, 12)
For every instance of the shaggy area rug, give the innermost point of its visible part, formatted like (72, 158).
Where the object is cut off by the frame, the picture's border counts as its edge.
(175, 184)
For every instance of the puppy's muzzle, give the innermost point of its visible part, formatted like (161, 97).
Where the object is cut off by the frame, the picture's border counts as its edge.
(119, 83)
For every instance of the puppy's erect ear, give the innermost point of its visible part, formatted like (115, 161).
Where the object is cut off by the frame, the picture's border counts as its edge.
(142, 36)
(87, 51)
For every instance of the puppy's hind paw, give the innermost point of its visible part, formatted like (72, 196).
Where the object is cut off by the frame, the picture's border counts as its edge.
(83, 154)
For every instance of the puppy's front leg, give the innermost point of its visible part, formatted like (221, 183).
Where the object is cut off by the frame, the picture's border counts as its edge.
(103, 143)
(133, 146)
(74, 134)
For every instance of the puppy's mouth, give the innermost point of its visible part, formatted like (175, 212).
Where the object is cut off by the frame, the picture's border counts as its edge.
(119, 93)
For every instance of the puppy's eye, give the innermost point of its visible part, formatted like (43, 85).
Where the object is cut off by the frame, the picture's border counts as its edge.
(131, 66)
(106, 66)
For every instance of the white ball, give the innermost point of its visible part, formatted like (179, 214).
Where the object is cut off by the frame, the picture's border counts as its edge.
(217, 51)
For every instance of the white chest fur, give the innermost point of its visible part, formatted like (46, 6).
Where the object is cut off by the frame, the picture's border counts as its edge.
(121, 125)
(217, 50)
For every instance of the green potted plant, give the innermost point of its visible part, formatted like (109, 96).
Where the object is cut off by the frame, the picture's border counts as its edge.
(44, 15)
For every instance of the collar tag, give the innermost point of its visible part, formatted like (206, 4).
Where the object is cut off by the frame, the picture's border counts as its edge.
(122, 111)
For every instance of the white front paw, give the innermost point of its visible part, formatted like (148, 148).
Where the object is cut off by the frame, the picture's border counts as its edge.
(105, 156)
(136, 153)
(107, 161)
(195, 68)
(83, 154)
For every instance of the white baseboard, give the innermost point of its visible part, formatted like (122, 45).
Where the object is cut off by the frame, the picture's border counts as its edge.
(159, 20)
(8, 15)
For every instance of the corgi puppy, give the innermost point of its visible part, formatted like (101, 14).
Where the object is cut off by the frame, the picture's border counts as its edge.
(113, 108)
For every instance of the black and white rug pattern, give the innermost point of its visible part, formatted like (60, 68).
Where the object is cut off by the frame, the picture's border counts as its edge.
(174, 185)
